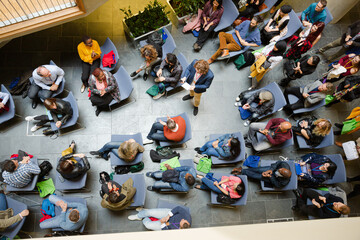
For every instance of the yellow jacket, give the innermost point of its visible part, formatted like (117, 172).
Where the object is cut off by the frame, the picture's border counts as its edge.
(85, 51)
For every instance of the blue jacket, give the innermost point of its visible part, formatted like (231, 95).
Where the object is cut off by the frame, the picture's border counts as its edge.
(176, 215)
(182, 186)
(203, 82)
(313, 16)
(223, 149)
(66, 224)
(315, 180)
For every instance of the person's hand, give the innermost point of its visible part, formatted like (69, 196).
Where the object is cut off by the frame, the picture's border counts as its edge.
(216, 183)
(302, 174)
(159, 73)
(302, 163)
(183, 80)
(25, 159)
(215, 144)
(54, 87)
(349, 43)
(24, 213)
(207, 27)
(336, 66)
(265, 131)
(192, 88)
(109, 186)
(322, 198)
(161, 79)
(246, 106)
(348, 37)
(350, 56)
(347, 85)
(58, 124)
(63, 206)
(304, 124)
(93, 54)
(167, 166)
(315, 203)
(1, 105)
(305, 23)
(297, 68)
(162, 122)
(102, 93)
(165, 219)
(305, 95)
(81, 155)
(58, 203)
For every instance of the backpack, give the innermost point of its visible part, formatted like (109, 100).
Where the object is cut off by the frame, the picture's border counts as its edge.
(137, 167)
(155, 38)
(48, 208)
(156, 157)
(222, 198)
(45, 168)
(170, 176)
(164, 151)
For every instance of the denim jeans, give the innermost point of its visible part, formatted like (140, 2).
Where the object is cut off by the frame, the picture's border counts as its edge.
(166, 84)
(156, 213)
(110, 147)
(209, 150)
(160, 184)
(154, 135)
(3, 203)
(255, 173)
(207, 184)
(55, 221)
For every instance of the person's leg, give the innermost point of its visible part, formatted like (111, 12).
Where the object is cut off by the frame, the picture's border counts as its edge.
(261, 145)
(151, 225)
(3, 203)
(153, 135)
(161, 185)
(44, 94)
(104, 101)
(254, 128)
(96, 100)
(223, 43)
(154, 212)
(33, 91)
(67, 151)
(163, 87)
(51, 222)
(96, 64)
(232, 44)
(335, 43)
(109, 147)
(211, 152)
(43, 119)
(254, 173)
(338, 54)
(55, 198)
(157, 175)
(208, 184)
(204, 35)
(197, 97)
(254, 117)
(206, 145)
(86, 68)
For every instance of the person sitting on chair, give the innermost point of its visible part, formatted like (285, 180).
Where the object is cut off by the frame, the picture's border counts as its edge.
(103, 89)
(114, 196)
(4, 102)
(276, 131)
(327, 206)
(47, 79)
(173, 130)
(73, 215)
(252, 7)
(246, 34)
(169, 73)
(319, 169)
(60, 112)
(19, 171)
(167, 219)
(305, 66)
(314, 13)
(126, 150)
(178, 179)
(226, 146)
(307, 96)
(313, 130)
(231, 186)
(7, 217)
(70, 168)
(347, 91)
(276, 175)
(151, 59)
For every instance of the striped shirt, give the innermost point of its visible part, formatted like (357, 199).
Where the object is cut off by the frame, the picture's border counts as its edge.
(22, 176)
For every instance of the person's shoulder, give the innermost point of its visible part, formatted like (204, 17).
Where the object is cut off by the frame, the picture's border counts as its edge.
(95, 42)
(81, 44)
(313, 4)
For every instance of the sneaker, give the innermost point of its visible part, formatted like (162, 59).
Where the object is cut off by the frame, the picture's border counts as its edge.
(196, 110)
(147, 141)
(224, 55)
(30, 118)
(248, 144)
(250, 88)
(187, 97)
(134, 218)
(95, 153)
(158, 96)
(237, 99)
(138, 209)
(82, 89)
(35, 128)
(133, 74)
(150, 188)
(247, 123)
(237, 104)
(250, 77)
(148, 174)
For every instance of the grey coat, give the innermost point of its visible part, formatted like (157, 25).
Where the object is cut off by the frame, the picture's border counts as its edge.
(315, 97)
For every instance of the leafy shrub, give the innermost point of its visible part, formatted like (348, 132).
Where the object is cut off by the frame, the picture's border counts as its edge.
(185, 7)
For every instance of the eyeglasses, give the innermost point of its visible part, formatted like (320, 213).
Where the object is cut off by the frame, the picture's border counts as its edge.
(88, 44)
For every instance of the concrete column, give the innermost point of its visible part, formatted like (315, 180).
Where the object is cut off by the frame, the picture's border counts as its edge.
(339, 8)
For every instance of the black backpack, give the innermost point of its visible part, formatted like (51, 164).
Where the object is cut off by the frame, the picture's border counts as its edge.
(157, 156)
(45, 168)
(226, 199)
(170, 176)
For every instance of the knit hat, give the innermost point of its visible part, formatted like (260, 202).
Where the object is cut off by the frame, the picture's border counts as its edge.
(265, 95)
(286, 9)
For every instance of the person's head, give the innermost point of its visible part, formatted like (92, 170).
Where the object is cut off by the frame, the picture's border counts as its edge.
(171, 124)
(265, 96)
(184, 224)
(234, 147)
(240, 188)
(279, 47)
(326, 87)
(127, 149)
(50, 103)
(285, 126)
(320, 5)
(10, 165)
(216, 3)
(190, 180)
(171, 59)
(149, 52)
(99, 74)
(315, 31)
(286, 173)
(341, 208)
(356, 61)
(254, 22)
(285, 9)
(87, 41)
(115, 197)
(74, 216)
(314, 60)
(43, 72)
(323, 127)
(202, 67)
(329, 167)
(67, 166)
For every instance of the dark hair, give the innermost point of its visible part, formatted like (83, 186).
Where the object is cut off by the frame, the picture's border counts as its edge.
(185, 225)
(240, 189)
(286, 9)
(171, 58)
(258, 19)
(74, 216)
(331, 168)
(114, 198)
(49, 102)
(234, 147)
(313, 35)
(85, 38)
(315, 60)
(219, 2)
(323, 2)
(66, 166)
(9, 166)
(190, 180)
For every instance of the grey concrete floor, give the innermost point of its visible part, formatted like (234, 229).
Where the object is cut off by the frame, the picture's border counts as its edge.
(217, 114)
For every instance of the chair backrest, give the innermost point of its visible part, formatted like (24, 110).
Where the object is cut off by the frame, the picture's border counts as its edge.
(106, 48)
(183, 62)
(169, 45)
(326, 142)
(124, 82)
(269, 4)
(6, 116)
(329, 16)
(293, 25)
(229, 15)
(280, 100)
(61, 86)
(139, 184)
(11, 231)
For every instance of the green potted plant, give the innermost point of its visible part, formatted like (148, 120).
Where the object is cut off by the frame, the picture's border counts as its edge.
(143, 23)
(180, 9)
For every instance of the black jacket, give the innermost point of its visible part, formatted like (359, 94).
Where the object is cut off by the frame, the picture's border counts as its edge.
(354, 94)
(278, 181)
(78, 170)
(314, 140)
(62, 108)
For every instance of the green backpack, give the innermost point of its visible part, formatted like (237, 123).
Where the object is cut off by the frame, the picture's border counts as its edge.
(204, 165)
(154, 90)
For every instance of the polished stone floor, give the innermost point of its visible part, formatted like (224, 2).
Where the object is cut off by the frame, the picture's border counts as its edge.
(217, 114)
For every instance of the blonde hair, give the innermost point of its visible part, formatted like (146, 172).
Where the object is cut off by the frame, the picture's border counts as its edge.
(202, 66)
(322, 131)
(150, 51)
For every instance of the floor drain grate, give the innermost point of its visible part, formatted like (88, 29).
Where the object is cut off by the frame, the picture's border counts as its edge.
(280, 220)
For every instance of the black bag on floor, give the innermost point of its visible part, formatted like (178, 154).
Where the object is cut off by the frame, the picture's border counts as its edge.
(222, 198)
(45, 168)
(157, 157)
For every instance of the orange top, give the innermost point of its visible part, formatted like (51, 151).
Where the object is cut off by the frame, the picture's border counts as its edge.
(179, 134)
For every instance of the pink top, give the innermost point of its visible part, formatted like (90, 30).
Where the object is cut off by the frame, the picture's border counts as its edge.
(228, 186)
(100, 86)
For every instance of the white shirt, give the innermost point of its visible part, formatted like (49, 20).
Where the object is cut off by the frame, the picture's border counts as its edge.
(57, 75)
(5, 97)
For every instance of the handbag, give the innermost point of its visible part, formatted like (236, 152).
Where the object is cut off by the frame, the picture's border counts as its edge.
(244, 113)
(222, 198)
(45, 168)
(329, 99)
(204, 164)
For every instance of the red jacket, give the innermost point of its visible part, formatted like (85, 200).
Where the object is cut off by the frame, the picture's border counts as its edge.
(279, 137)
(179, 134)
(108, 59)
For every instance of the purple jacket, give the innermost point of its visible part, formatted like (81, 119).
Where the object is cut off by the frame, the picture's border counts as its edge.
(215, 17)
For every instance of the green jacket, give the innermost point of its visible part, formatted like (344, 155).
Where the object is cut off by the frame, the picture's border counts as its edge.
(128, 190)
(7, 219)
